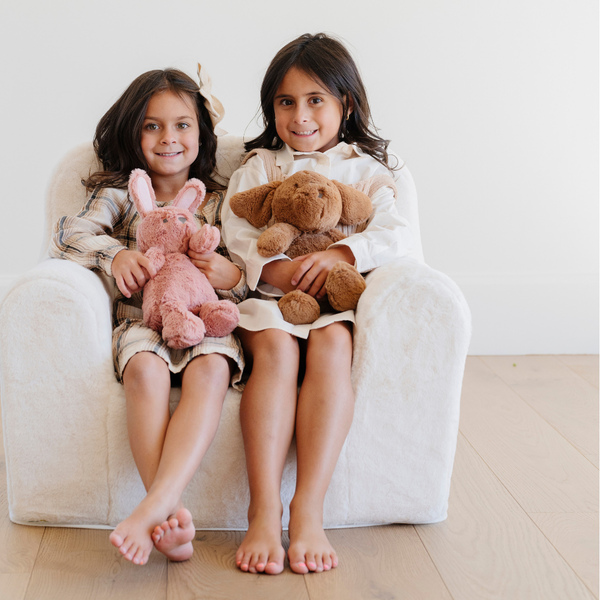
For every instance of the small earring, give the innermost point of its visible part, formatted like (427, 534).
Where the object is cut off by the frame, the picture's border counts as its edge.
(347, 116)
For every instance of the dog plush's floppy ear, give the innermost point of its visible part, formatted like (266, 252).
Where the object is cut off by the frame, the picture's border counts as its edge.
(356, 206)
(256, 204)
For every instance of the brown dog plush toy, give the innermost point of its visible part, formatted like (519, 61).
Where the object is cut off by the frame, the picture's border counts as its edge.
(302, 212)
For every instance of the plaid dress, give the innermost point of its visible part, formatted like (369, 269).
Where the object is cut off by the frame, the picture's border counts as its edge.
(107, 224)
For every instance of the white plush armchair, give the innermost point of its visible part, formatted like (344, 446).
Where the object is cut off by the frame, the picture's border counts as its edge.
(68, 460)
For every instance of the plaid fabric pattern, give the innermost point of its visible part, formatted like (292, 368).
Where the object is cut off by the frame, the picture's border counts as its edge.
(105, 225)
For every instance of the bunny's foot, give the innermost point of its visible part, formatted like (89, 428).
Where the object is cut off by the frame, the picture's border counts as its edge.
(220, 317)
(182, 329)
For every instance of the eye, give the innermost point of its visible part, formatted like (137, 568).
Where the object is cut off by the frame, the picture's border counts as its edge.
(286, 102)
(182, 219)
(316, 100)
(151, 127)
(183, 125)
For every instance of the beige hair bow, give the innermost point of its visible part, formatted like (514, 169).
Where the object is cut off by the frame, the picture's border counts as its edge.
(213, 105)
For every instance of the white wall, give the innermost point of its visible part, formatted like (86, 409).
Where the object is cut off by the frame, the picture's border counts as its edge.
(494, 106)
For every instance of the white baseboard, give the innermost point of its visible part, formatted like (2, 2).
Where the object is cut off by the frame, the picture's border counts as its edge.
(532, 314)
(519, 314)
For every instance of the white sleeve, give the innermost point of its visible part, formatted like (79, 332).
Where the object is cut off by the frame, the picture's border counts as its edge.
(387, 235)
(239, 236)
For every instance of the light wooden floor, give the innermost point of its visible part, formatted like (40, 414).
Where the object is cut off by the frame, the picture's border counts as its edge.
(523, 519)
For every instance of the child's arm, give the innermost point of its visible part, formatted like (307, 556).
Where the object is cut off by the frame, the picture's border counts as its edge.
(387, 235)
(220, 272)
(241, 237)
(99, 233)
(131, 270)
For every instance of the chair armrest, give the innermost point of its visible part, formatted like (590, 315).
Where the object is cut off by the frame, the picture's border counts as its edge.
(56, 377)
(411, 337)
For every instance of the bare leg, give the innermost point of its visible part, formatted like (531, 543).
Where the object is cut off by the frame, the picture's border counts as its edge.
(267, 415)
(166, 469)
(323, 419)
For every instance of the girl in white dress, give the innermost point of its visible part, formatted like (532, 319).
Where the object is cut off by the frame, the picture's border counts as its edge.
(316, 117)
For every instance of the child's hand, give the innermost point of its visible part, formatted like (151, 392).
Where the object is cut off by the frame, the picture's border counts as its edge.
(310, 276)
(220, 272)
(279, 273)
(131, 270)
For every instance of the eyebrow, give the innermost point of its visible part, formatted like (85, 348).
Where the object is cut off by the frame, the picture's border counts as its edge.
(320, 93)
(150, 118)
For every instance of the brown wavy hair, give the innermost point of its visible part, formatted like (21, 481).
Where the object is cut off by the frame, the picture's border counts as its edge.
(325, 59)
(118, 134)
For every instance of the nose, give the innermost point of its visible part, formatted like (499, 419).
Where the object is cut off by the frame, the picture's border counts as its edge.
(301, 114)
(168, 138)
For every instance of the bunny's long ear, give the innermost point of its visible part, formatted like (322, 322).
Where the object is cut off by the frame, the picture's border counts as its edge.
(141, 192)
(356, 206)
(190, 196)
(256, 204)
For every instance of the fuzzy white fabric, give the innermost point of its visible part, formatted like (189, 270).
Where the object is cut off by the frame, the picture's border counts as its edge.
(68, 460)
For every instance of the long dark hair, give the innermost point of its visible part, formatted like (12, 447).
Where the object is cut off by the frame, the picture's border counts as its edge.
(118, 134)
(325, 59)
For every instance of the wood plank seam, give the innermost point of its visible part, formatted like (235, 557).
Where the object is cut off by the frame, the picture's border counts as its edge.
(416, 528)
(538, 413)
(562, 556)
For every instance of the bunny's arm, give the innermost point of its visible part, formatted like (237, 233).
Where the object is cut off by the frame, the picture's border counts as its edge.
(205, 240)
(156, 257)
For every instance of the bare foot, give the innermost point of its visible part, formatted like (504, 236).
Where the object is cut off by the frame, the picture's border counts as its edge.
(261, 550)
(174, 537)
(310, 549)
(132, 537)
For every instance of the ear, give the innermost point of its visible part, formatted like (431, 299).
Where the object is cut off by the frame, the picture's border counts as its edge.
(141, 192)
(190, 196)
(356, 206)
(350, 108)
(256, 204)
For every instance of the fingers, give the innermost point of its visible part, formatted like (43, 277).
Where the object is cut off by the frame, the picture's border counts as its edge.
(300, 273)
(122, 287)
(146, 264)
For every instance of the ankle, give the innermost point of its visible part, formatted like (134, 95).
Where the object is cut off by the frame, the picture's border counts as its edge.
(270, 510)
(306, 508)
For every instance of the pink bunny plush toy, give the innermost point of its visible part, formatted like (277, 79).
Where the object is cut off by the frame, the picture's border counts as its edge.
(178, 302)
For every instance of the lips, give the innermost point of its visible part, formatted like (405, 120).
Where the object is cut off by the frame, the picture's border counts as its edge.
(167, 154)
(304, 133)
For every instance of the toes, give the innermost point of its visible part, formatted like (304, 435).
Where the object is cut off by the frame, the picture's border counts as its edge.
(157, 534)
(273, 568)
(116, 540)
(311, 562)
(138, 557)
(125, 547)
(298, 566)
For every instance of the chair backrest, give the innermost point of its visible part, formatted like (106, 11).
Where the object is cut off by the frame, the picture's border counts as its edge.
(66, 195)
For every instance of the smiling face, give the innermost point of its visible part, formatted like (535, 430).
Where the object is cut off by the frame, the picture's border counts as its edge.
(307, 116)
(170, 137)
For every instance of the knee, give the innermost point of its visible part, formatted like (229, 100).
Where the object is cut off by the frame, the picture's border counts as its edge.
(275, 348)
(213, 369)
(334, 339)
(146, 369)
